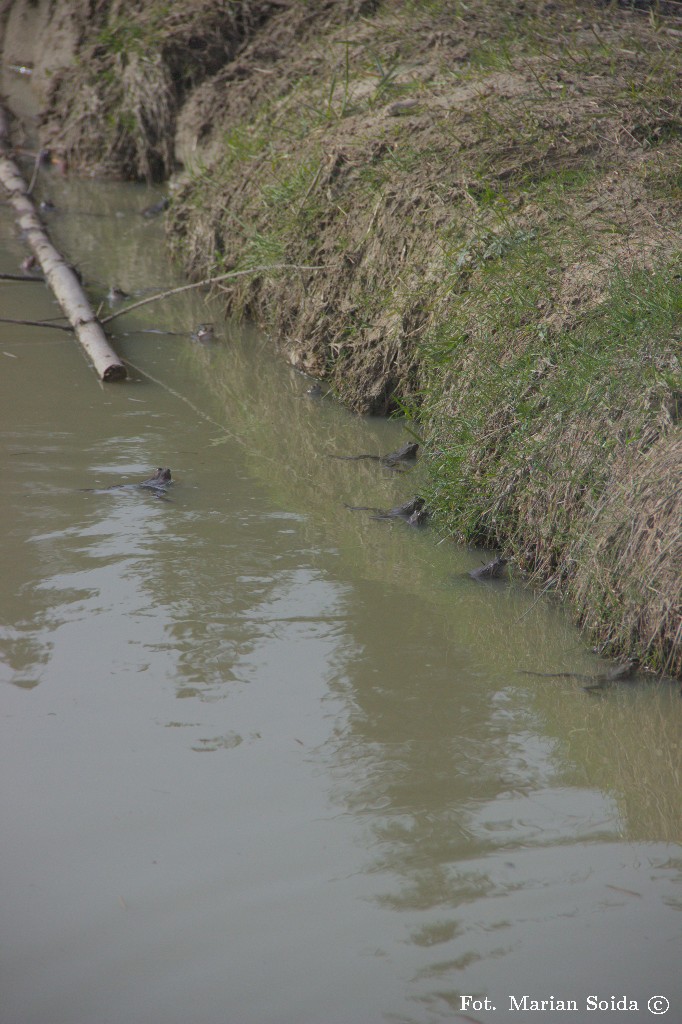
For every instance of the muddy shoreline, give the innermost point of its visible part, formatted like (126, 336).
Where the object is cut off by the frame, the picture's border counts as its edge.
(494, 206)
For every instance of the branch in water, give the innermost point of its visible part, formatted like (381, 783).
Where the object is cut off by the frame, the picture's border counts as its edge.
(41, 156)
(208, 281)
(35, 323)
(22, 277)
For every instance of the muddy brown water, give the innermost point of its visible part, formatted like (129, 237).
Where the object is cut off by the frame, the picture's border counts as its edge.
(264, 760)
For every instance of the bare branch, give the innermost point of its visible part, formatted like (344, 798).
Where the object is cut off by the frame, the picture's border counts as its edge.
(205, 283)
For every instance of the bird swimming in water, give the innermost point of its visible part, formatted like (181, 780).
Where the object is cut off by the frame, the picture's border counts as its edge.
(204, 334)
(156, 208)
(116, 294)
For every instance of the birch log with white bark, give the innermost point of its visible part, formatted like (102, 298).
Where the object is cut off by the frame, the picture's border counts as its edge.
(59, 275)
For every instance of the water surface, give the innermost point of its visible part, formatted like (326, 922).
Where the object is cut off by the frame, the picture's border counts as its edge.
(265, 760)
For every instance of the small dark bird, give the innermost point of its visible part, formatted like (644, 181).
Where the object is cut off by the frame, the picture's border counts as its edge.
(394, 460)
(158, 482)
(413, 512)
(116, 294)
(492, 571)
(204, 334)
(156, 208)
(620, 674)
(623, 673)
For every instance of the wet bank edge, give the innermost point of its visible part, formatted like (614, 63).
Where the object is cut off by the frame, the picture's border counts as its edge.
(494, 202)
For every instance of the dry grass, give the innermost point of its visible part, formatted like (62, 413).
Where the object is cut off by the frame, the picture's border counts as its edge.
(114, 111)
(630, 554)
(502, 251)
(503, 259)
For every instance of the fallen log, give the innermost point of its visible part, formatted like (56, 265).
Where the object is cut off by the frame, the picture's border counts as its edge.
(59, 275)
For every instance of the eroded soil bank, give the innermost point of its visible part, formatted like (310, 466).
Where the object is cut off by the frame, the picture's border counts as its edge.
(491, 196)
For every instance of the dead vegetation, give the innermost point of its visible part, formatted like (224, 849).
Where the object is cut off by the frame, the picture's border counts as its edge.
(633, 539)
(113, 111)
(495, 195)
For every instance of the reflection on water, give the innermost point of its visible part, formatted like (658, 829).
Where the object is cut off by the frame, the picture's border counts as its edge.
(392, 815)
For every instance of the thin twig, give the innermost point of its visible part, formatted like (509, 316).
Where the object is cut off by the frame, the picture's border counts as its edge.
(199, 412)
(536, 77)
(35, 323)
(311, 186)
(206, 282)
(36, 167)
(181, 398)
(22, 277)
(550, 584)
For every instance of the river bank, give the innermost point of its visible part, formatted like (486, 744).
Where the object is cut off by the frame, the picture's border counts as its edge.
(493, 200)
